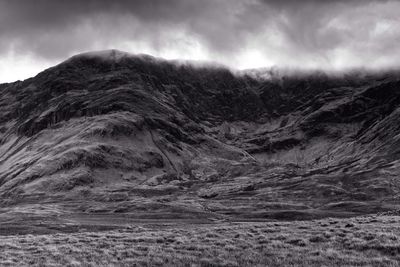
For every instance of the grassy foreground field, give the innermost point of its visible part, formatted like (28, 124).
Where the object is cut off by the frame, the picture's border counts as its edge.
(361, 241)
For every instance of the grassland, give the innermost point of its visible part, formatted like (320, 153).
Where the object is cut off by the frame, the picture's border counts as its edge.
(360, 241)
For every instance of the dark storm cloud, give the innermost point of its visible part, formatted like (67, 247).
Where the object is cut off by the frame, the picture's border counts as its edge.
(51, 27)
(308, 33)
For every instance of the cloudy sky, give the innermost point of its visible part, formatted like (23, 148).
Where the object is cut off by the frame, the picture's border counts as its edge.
(328, 34)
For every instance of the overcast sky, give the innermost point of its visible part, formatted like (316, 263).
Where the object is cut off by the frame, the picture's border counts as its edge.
(328, 34)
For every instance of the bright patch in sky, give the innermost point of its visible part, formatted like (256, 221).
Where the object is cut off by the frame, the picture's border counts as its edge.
(253, 59)
(14, 67)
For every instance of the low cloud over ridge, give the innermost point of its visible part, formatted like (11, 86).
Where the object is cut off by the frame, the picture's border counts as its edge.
(240, 33)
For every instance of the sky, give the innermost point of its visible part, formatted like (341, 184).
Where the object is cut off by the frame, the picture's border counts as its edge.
(307, 34)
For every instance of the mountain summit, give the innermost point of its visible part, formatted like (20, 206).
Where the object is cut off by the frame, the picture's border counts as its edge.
(113, 133)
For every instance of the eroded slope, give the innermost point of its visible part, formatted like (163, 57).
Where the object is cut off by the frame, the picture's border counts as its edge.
(114, 133)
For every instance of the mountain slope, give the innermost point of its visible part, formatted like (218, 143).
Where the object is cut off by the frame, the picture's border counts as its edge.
(113, 133)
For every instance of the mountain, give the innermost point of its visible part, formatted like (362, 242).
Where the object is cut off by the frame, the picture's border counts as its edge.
(132, 136)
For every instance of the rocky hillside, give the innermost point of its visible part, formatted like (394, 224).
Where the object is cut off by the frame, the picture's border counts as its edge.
(113, 133)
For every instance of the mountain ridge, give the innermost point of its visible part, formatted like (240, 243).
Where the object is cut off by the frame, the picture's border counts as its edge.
(150, 138)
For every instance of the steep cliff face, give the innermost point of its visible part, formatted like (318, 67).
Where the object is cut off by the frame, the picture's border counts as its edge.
(118, 133)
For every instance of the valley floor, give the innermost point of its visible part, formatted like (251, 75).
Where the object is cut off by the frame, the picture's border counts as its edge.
(359, 241)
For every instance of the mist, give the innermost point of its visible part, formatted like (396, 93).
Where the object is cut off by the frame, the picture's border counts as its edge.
(328, 35)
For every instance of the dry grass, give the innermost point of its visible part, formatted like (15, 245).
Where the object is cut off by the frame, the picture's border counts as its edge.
(364, 241)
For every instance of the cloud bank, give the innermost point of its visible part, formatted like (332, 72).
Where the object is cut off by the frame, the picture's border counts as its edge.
(332, 35)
